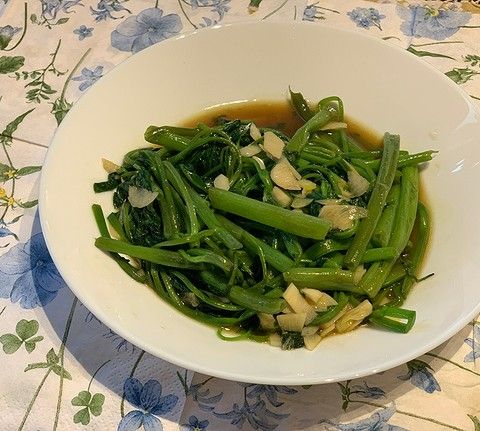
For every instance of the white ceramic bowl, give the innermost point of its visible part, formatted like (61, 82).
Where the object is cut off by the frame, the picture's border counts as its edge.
(383, 87)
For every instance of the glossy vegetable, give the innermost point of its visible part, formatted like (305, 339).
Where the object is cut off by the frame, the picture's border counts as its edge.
(245, 228)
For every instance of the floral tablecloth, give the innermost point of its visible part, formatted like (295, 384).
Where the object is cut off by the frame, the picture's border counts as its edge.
(60, 368)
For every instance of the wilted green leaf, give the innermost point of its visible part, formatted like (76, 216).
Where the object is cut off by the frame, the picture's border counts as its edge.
(11, 343)
(11, 64)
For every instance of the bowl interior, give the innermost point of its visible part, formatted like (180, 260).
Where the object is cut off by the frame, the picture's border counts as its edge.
(382, 87)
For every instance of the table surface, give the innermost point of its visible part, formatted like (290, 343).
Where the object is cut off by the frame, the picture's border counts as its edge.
(62, 369)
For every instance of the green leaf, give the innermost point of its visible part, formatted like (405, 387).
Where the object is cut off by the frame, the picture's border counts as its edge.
(11, 64)
(11, 343)
(15, 220)
(472, 59)
(32, 343)
(26, 329)
(29, 346)
(4, 40)
(82, 416)
(96, 404)
(52, 357)
(82, 399)
(3, 171)
(461, 76)
(427, 53)
(12, 127)
(60, 109)
(476, 422)
(62, 372)
(62, 21)
(27, 170)
(36, 365)
(28, 204)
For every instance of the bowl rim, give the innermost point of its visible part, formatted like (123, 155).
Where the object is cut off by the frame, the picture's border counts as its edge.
(121, 330)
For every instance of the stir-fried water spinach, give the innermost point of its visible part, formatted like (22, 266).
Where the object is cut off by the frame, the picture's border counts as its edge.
(270, 237)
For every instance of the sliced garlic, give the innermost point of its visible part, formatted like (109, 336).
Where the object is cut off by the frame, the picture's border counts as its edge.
(307, 187)
(357, 184)
(140, 198)
(275, 340)
(312, 295)
(296, 300)
(342, 216)
(267, 321)
(312, 341)
(299, 202)
(327, 330)
(282, 198)
(273, 145)
(291, 322)
(221, 182)
(250, 150)
(109, 166)
(255, 132)
(354, 317)
(310, 330)
(284, 175)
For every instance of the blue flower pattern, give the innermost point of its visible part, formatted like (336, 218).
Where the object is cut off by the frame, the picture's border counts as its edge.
(366, 391)
(108, 9)
(270, 392)
(194, 424)
(366, 17)
(88, 77)
(426, 21)
(474, 343)
(419, 374)
(83, 31)
(149, 402)
(312, 13)
(51, 8)
(145, 29)
(28, 275)
(256, 415)
(378, 421)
